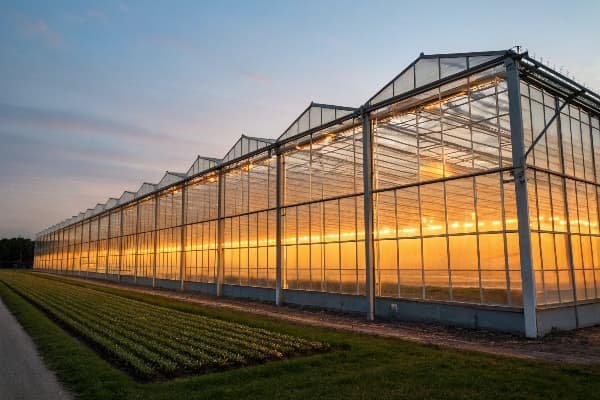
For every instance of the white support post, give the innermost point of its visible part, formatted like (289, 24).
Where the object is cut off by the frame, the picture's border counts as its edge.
(278, 249)
(367, 137)
(137, 242)
(156, 215)
(183, 237)
(120, 243)
(520, 175)
(220, 199)
(107, 262)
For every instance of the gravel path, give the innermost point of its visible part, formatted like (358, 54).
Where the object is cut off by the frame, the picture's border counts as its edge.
(23, 375)
(580, 347)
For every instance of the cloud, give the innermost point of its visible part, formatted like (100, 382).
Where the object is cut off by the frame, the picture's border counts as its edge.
(18, 117)
(41, 30)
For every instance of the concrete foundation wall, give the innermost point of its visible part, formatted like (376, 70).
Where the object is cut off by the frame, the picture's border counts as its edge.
(247, 292)
(127, 279)
(167, 284)
(454, 314)
(566, 318)
(143, 281)
(200, 287)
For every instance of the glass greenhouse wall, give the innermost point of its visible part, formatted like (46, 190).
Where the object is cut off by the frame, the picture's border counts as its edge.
(465, 191)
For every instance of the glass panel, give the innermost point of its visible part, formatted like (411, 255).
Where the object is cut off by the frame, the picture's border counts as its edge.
(451, 66)
(426, 71)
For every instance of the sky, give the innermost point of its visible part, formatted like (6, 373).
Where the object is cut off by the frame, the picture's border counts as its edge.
(98, 97)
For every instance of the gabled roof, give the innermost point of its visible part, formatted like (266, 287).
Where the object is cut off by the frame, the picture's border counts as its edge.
(126, 196)
(170, 178)
(145, 189)
(427, 69)
(98, 209)
(245, 145)
(110, 203)
(202, 164)
(313, 116)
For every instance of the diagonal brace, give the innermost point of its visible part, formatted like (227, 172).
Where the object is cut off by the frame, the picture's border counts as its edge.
(556, 114)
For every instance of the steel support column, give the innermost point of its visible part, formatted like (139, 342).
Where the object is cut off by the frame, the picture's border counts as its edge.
(107, 262)
(80, 248)
(183, 237)
(137, 242)
(87, 267)
(156, 214)
(367, 137)
(97, 246)
(520, 175)
(120, 243)
(278, 249)
(220, 200)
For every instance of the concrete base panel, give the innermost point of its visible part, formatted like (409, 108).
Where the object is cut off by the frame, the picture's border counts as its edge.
(463, 315)
(143, 281)
(201, 287)
(128, 279)
(567, 318)
(328, 301)
(589, 314)
(167, 284)
(247, 292)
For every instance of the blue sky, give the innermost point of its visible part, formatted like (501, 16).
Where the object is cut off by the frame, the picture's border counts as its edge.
(97, 97)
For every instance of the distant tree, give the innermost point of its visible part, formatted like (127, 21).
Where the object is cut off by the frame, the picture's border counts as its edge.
(16, 253)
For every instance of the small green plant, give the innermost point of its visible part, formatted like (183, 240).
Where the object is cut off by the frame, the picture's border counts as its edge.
(153, 342)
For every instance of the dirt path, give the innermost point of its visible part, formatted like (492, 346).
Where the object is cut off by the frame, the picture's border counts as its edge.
(23, 375)
(581, 346)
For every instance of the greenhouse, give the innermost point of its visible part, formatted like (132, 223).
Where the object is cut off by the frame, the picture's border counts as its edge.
(464, 192)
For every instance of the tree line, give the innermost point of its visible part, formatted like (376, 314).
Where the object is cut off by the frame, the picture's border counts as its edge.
(16, 253)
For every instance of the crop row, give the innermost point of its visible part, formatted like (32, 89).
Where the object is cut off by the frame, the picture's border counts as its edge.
(151, 341)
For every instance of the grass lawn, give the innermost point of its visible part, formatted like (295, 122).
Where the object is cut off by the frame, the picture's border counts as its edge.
(357, 367)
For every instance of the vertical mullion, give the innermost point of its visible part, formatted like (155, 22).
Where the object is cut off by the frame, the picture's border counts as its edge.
(594, 266)
(309, 205)
(368, 212)
(422, 247)
(569, 242)
(137, 242)
(475, 192)
(447, 236)
(120, 266)
(220, 189)
(156, 231)
(396, 236)
(108, 237)
(278, 249)
(503, 205)
(80, 248)
(87, 269)
(339, 236)
(182, 233)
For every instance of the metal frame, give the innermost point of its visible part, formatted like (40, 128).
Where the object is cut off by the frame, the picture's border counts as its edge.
(519, 66)
(278, 248)
(367, 136)
(519, 167)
